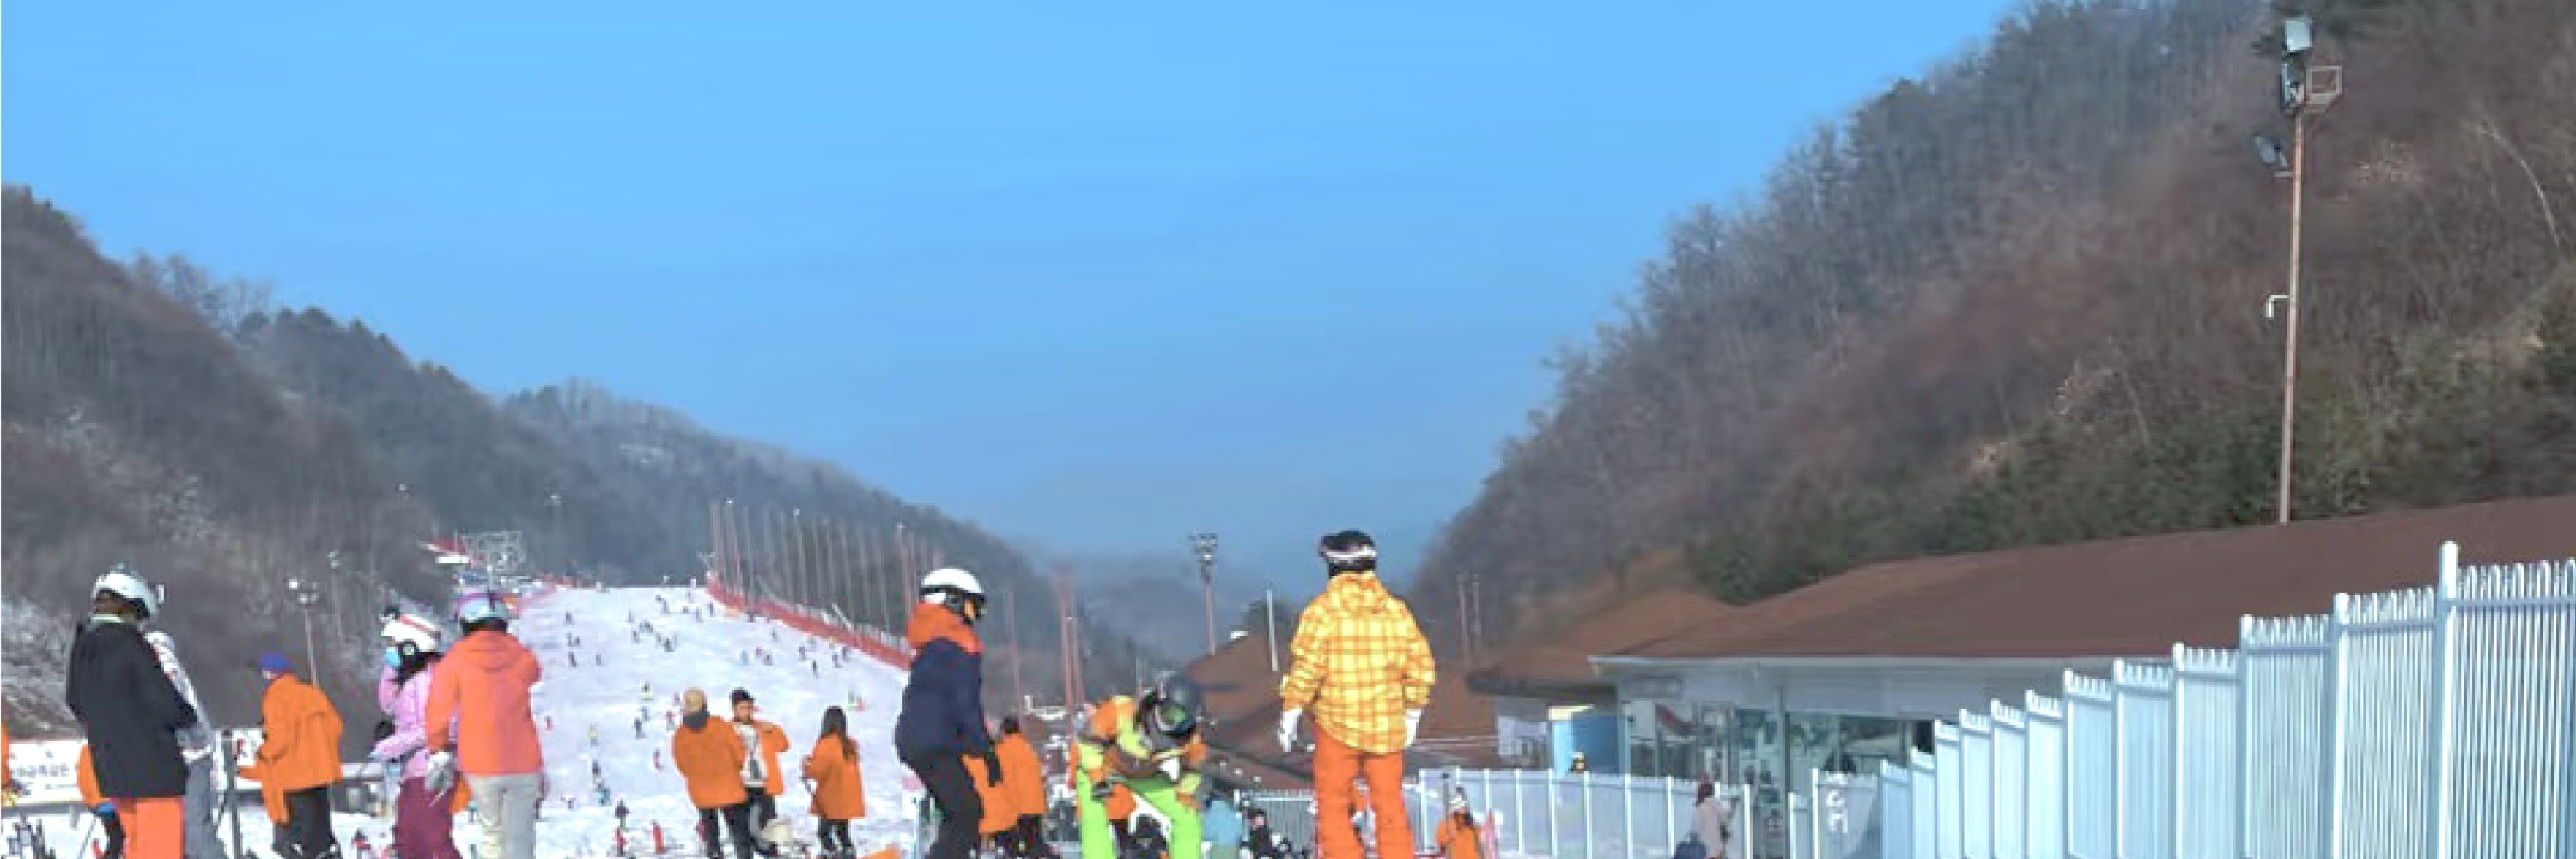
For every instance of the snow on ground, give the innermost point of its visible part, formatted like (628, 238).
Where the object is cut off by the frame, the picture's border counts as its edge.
(601, 684)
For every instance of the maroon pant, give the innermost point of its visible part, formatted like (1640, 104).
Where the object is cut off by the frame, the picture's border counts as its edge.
(424, 827)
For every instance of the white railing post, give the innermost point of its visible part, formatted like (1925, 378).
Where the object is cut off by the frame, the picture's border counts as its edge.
(2339, 646)
(1550, 801)
(1628, 809)
(2245, 693)
(1587, 814)
(1520, 822)
(2446, 685)
(1671, 833)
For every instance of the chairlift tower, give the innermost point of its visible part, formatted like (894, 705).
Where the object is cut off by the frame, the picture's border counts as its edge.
(499, 553)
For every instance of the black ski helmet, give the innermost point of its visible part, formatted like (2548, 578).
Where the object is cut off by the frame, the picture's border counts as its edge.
(1171, 708)
(1348, 552)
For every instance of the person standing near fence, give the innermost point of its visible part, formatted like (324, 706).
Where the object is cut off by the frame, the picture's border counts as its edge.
(1360, 662)
(1708, 820)
(1457, 836)
(196, 747)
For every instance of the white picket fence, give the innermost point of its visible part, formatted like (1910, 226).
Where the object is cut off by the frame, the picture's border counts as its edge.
(2435, 722)
(1538, 814)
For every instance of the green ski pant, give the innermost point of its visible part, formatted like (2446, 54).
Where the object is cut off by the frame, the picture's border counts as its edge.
(1098, 843)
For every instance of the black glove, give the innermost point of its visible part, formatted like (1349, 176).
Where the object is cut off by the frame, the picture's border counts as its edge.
(992, 769)
(383, 729)
(1100, 792)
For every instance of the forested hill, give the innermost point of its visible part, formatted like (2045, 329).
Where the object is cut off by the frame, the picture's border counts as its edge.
(162, 415)
(2017, 300)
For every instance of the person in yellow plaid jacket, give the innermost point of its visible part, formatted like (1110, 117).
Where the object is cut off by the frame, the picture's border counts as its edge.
(1359, 662)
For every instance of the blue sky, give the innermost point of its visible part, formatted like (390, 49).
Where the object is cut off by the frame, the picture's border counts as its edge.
(1093, 274)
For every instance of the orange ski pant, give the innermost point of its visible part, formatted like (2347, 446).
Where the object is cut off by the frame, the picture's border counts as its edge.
(154, 828)
(1337, 766)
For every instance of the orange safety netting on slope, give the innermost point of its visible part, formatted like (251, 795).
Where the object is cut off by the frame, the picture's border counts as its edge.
(878, 644)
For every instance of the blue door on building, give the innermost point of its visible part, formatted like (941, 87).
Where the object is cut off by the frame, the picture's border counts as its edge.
(1595, 734)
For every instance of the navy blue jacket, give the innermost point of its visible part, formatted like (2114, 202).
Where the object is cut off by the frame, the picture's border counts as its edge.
(943, 699)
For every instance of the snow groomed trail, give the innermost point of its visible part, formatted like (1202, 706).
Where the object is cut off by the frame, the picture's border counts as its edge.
(602, 684)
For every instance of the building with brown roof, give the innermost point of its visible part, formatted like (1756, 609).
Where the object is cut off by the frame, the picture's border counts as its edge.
(1544, 689)
(1854, 667)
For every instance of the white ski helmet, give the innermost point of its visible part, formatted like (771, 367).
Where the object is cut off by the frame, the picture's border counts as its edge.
(121, 581)
(953, 587)
(481, 607)
(410, 630)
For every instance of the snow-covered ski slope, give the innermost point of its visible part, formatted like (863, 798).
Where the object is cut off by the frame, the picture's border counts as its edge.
(617, 657)
(601, 684)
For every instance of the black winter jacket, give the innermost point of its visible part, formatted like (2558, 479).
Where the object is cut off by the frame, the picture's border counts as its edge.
(131, 712)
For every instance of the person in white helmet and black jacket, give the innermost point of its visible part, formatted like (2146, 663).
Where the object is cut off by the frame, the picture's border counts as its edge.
(943, 707)
(131, 714)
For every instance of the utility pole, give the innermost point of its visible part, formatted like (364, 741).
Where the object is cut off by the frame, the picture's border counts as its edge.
(307, 593)
(1019, 652)
(2306, 95)
(554, 508)
(1203, 544)
(796, 537)
(1072, 637)
(1270, 617)
(872, 565)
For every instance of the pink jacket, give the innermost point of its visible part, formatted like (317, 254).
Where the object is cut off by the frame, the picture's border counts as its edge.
(408, 703)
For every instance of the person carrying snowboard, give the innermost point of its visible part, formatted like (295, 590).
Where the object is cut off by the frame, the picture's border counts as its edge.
(1359, 661)
(424, 819)
(942, 719)
(1152, 746)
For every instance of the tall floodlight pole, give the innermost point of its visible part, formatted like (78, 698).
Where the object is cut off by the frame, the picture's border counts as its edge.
(1270, 619)
(1019, 652)
(796, 543)
(2306, 94)
(554, 503)
(307, 593)
(1203, 544)
(895, 587)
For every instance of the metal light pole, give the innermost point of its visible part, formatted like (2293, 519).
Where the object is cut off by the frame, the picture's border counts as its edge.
(1270, 619)
(1203, 544)
(307, 594)
(2306, 94)
(554, 501)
